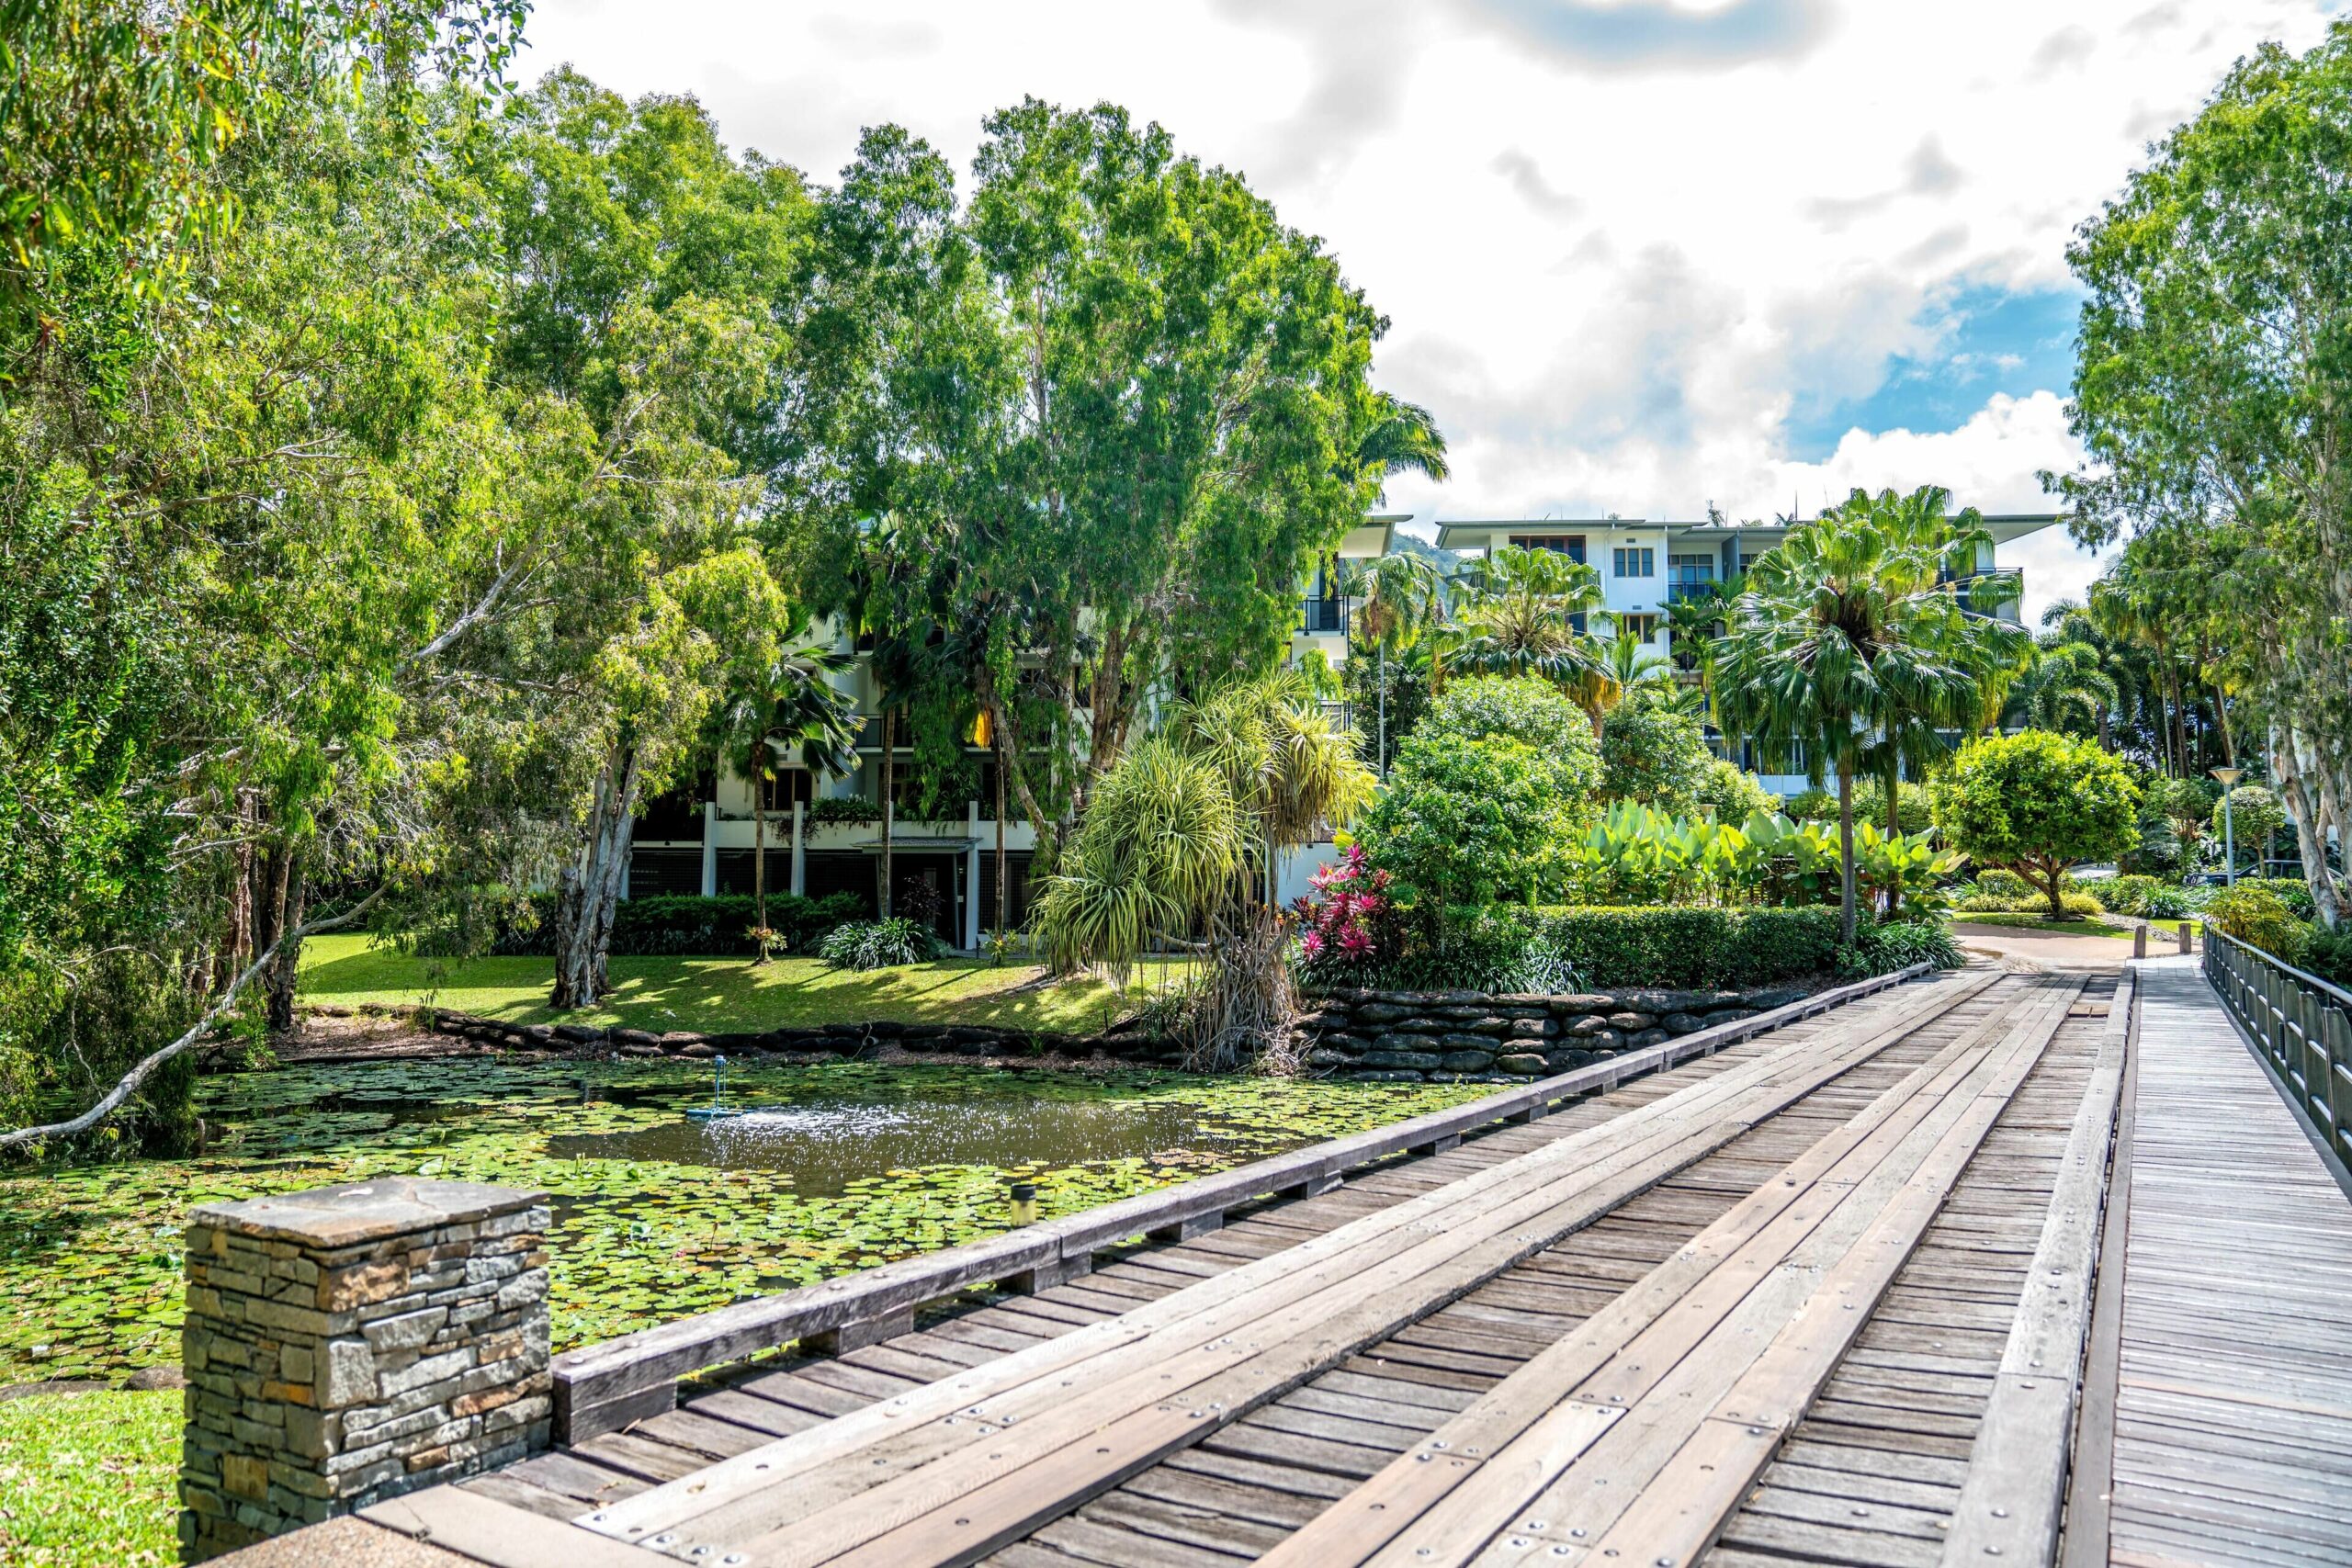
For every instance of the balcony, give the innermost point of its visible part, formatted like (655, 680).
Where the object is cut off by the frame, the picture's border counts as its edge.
(1323, 615)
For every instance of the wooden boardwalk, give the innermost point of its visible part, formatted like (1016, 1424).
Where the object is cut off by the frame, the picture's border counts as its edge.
(2231, 1437)
(1828, 1295)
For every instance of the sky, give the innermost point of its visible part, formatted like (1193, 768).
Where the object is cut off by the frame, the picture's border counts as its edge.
(1637, 255)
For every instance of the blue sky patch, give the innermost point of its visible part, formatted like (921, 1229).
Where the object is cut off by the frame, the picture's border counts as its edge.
(1998, 342)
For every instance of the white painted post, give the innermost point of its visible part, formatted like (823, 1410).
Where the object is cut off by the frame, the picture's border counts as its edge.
(711, 848)
(799, 851)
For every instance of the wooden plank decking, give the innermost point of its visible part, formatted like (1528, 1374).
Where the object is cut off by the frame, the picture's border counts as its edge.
(2233, 1391)
(1823, 1297)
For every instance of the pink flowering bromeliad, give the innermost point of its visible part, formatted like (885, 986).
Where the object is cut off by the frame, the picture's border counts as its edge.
(1347, 921)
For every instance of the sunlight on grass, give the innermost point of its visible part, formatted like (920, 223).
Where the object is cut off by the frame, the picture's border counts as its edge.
(87, 1480)
(722, 994)
(2076, 925)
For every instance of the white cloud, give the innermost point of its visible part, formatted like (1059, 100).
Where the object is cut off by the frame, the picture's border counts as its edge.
(1623, 241)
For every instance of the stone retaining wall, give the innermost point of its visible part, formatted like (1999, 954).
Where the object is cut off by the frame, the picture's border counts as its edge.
(1457, 1036)
(839, 1039)
(345, 1345)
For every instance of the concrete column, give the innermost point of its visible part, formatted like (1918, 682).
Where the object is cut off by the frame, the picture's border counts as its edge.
(799, 851)
(711, 848)
(347, 1345)
(972, 876)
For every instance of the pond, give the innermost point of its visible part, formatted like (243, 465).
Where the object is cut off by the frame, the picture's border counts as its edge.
(836, 1167)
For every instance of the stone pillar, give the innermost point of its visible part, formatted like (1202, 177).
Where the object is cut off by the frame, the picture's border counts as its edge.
(347, 1345)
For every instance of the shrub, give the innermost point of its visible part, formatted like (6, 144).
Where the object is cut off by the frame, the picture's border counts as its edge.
(877, 944)
(1813, 806)
(2167, 904)
(1898, 944)
(1735, 792)
(2328, 954)
(2254, 915)
(1485, 948)
(2296, 896)
(850, 808)
(2073, 906)
(2128, 895)
(1652, 754)
(1465, 820)
(1349, 926)
(679, 924)
(1995, 883)
(1683, 947)
(1911, 804)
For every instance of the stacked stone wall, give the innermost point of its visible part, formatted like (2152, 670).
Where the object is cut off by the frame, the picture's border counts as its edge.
(347, 1345)
(1457, 1036)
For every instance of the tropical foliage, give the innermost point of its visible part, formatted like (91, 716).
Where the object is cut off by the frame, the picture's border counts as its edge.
(1861, 638)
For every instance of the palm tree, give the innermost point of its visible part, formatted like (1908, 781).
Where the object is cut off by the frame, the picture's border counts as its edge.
(1401, 437)
(1629, 660)
(2063, 685)
(1403, 602)
(1858, 638)
(1518, 618)
(787, 702)
(1185, 834)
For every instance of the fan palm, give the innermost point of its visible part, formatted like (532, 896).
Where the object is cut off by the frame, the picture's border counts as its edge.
(2063, 685)
(1854, 644)
(1518, 618)
(1401, 437)
(1629, 660)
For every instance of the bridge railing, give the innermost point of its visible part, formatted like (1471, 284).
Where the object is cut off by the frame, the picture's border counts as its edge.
(2303, 1024)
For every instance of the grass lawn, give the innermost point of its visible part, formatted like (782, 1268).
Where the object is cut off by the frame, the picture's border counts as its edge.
(2078, 926)
(90, 1480)
(717, 995)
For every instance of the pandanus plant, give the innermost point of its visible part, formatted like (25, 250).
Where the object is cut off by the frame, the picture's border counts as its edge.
(1183, 840)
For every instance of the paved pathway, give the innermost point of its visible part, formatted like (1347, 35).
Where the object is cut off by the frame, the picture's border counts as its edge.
(2233, 1400)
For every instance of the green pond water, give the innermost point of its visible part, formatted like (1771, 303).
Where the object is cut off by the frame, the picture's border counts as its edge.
(836, 1167)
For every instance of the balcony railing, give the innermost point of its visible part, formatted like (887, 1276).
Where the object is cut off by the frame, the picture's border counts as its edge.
(1324, 615)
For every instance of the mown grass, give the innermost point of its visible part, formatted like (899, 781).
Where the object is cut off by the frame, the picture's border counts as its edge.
(717, 995)
(88, 1480)
(2080, 925)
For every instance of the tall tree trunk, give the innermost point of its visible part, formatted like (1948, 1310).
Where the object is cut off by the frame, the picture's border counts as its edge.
(1002, 892)
(889, 802)
(591, 886)
(2305, 809)
(1384, 709)
(275, 900)
(760, 849)
(2229, 740)
(1846, 851)
(285, 973)
(1893, 818)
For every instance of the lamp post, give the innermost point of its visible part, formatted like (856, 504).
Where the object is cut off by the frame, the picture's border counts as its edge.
(2229, 777)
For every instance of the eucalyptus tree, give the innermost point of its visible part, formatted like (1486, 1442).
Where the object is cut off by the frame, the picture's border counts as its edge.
(1851, 644)
(2213, 394)
(643, 267)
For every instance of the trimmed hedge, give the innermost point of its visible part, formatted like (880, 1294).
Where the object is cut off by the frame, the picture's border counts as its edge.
(686, 923)
(1686, 948)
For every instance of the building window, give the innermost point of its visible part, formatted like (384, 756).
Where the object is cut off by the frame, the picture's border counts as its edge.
(1640, 628)
(1687, 574)
(782, 788)
(1636, 560)
(1569, 545)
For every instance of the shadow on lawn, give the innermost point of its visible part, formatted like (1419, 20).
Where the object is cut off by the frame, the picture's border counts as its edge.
(719, 993)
